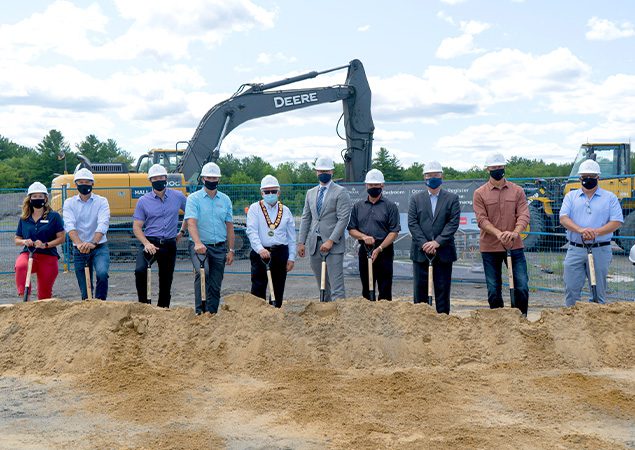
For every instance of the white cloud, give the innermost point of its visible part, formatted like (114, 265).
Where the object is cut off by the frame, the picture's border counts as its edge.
(453, 2)
(158, 28)
(453, 47)
(511, 74)
(363, 28)
(471, 145)
(605, 30)
(268, 58)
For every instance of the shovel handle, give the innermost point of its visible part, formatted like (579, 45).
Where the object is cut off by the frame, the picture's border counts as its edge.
(430, 282)
(510, 271)
(270, 283)
(27, 281)
(592, 269)
(149, 283)
(89, 291)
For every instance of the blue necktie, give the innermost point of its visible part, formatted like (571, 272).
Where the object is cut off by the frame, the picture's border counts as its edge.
(320, 199)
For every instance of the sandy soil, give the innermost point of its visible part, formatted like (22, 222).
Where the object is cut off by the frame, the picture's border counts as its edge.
(350, 374)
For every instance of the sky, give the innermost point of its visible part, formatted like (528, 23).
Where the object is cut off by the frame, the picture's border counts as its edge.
(451, 80)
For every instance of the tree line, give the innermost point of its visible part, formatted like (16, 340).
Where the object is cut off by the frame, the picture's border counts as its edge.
(21, 165)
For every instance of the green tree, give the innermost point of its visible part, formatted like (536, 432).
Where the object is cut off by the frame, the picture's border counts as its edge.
(103, 152)
(388, 164)
(53, 152)
(414, 172)
(229, 165)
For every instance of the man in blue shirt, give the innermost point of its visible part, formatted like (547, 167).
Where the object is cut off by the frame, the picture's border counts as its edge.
(158, 210)
(209, 221)
(86, 220)
(590, 214)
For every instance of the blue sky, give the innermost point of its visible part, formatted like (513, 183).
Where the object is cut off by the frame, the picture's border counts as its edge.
(452, 80)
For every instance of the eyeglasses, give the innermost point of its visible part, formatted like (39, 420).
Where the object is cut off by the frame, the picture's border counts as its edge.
(588, 206)
(274, 191)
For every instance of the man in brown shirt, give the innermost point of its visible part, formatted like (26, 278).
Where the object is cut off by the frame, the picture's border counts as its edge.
(502, 214)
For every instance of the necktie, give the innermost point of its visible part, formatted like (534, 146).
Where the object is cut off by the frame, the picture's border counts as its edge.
(320, 198)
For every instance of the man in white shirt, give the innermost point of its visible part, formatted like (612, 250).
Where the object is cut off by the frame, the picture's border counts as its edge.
(271, 232)
(86, 220)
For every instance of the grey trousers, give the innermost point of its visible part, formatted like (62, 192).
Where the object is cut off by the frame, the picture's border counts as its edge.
(334, 274)
(214, 273)
(576, 272)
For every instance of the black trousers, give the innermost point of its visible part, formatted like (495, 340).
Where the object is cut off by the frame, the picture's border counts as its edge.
(165, 259)
(382, 272)
(279, 258)
(442, 279)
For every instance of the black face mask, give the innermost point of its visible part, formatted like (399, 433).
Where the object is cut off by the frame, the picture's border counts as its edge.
(589, 183)
(159, 185)
(37, 203)
(84, 189)
(497, 174)
(211, 185)
(324, 177)
(374, 192)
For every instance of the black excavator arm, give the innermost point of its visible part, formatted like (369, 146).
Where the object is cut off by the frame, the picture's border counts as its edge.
(258, 100)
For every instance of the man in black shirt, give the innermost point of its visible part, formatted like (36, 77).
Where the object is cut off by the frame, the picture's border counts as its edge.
(375, 223)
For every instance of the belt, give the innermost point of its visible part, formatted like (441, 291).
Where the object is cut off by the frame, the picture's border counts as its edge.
(215, 244)
(596, 244)
(276, 247)
(160, 241)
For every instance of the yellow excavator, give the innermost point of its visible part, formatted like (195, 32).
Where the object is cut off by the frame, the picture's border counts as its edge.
(545, 196)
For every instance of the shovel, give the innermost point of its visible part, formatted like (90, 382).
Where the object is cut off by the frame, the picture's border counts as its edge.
(272, 294)
(510, 277)
(203, 284)
(371, 278)
(591, 262)
(89, 289)
(430, 278)
(323, 277)
(29, 269)
(149, 262)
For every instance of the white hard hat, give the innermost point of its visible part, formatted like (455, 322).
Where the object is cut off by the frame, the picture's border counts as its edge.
(156, 171)
(83, 174)
(374, 176)
(37, 188)
(269, 181)
(495, 159)
(432, 167)
(210, 170)
(324, 163)
(589, 166)
(631, 255)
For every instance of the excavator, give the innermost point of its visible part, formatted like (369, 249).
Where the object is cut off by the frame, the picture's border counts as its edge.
(250, 101)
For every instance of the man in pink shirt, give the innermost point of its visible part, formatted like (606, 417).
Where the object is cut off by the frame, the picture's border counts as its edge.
(502, 214)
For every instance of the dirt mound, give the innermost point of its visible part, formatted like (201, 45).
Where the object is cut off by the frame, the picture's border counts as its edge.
(350, 373)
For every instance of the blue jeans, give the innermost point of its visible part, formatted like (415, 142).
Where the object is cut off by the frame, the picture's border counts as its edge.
(214, 273)
(493, 266)
(98, 261)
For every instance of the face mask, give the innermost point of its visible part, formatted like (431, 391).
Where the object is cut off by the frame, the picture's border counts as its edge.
(211, 185)
(324, 177)
(374, 192)
(37, 203)
(434, 183)
(497, 174)
(271, 198)
(589, 182)
(159, 185)
(84, 189)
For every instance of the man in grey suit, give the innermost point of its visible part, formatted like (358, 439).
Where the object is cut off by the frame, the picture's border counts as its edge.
(327, 208)
(433, 218)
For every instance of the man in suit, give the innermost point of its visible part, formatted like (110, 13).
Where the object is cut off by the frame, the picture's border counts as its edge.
(433, 218)
(327, 208)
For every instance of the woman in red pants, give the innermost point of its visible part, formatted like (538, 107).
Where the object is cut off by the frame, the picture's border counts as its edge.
(42, 229)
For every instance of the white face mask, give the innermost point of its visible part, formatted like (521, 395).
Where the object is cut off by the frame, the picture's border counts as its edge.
(270, 198)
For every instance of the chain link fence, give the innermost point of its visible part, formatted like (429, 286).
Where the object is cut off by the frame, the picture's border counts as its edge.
(545, 240)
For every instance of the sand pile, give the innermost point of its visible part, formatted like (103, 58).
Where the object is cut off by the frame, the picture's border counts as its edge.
(342, 374)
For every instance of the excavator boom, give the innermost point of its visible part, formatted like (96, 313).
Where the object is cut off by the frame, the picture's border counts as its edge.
(259, 101)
